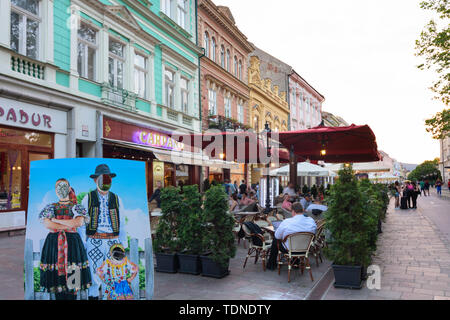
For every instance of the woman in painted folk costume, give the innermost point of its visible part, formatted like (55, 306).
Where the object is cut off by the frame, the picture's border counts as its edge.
(64, 267)
(117, 273)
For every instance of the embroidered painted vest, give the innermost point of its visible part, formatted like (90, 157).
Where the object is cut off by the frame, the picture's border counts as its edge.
(94, 208)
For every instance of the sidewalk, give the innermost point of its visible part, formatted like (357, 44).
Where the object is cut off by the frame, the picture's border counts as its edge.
(251, 283)
(413, 255)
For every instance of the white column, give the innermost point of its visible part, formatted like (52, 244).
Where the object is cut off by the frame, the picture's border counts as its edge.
(5, 22)
(177, 90)
(129, 65)
(103, 53)
(74, 25)
(48, 42)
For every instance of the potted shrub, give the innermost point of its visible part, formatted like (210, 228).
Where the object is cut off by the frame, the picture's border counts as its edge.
(166, 244)
(348, 246)
(190, 230)
(314, 191)
(218, 238)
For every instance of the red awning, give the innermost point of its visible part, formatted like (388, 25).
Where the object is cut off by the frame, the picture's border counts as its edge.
(241, 147)
(342, 144)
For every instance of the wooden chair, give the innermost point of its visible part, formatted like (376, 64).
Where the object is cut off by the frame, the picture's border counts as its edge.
(299, 246)
(262, 251)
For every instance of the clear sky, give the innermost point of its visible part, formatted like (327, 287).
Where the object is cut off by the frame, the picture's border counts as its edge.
(359, 54)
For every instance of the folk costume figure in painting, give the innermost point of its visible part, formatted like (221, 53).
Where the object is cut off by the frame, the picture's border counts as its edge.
(106, 224)
(117, 273)
(64, 267)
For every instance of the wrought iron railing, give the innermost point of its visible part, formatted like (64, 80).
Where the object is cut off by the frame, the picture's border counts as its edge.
(119, 97)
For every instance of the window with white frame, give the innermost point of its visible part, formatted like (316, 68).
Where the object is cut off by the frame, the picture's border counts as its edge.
(212, 102)
(25, 21)
(240, 113)
(166, 7)
(184, 87)
(116, 63)
(182, 10)
(227, 103)
(206, 44)
(228, 61)
(293, 103)
(140, 75)
(87, 51)
(169, 77)
(236, 71)
(213, 49)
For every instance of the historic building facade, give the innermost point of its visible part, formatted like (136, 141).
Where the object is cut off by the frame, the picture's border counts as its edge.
(224, 89)
(305, 103)
(77, 75)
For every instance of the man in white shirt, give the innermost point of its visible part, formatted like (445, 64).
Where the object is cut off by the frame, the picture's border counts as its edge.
(298, 223)
(305, 201)
(290, 190)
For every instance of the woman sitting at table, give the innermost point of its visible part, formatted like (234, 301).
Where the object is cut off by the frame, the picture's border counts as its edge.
(245, 201)
(233, 202)
(287, 204)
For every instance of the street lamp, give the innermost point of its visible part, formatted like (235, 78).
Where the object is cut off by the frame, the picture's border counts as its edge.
(269, 155)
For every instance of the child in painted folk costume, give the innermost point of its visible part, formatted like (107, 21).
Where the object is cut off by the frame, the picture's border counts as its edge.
(63, 253)
(117, 273)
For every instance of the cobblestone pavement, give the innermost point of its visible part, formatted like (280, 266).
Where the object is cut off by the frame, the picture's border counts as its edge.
(251, 283)
(413, 254)
(11, 268)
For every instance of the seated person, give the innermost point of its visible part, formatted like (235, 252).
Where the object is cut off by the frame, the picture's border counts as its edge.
(290, 190)
(287, 204)
(233, 202)
(317, 204)
(298, 223)
(305, 201)
(246, 200)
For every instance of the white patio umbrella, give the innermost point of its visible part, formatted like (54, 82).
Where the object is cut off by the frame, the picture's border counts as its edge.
(304, 169)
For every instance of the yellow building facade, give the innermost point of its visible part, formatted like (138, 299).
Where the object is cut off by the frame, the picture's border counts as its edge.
(267, 105)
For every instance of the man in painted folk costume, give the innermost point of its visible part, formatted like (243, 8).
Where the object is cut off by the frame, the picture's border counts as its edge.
(106, 225)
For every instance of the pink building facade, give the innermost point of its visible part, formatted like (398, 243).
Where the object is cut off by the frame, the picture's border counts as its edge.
(224, 89)
(305, 104)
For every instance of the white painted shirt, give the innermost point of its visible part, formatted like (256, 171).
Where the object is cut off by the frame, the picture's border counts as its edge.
(298, 223)
(317, 206)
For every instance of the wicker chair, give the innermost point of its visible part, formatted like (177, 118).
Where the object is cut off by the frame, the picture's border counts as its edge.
(299, 246)
(317, 245)
(259, 250)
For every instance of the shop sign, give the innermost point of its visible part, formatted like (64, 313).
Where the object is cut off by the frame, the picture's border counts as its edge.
(122, 131)
(158, 140)
(20, 114)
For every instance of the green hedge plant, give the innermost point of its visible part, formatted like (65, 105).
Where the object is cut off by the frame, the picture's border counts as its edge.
(191, 225)
(347, 222)
(218, 238)
(166, 240)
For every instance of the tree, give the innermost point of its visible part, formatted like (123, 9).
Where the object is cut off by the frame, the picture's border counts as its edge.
(439, 125)
(428, 170)
(434, 44)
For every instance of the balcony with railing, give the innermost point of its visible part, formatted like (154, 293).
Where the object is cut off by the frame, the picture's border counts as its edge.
(118, 97)
(225, 124)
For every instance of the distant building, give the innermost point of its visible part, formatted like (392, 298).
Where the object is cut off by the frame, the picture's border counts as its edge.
(330, 120)
(444, 164)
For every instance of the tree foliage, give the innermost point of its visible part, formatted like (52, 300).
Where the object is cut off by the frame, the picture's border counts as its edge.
(433, 45)
(428, 170)
(439, 125)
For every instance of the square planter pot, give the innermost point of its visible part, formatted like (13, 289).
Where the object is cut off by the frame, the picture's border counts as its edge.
(166, 262)
(348, 277)
(213, 269)
(189, 264)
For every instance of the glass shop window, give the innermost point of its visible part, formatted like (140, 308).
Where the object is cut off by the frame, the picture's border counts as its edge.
(10, 179)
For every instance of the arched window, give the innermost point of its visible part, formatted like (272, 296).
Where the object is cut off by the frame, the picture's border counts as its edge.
(228, 60)
(240, 70)
(222, 56)
(213, 49)
(206, 44)
(236, 66)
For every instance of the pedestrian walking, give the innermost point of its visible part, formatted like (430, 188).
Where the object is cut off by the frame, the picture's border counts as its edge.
(448, 184)
(422, 186)
(439, 187)
(397, 190)
(415, 194)
(426, 188)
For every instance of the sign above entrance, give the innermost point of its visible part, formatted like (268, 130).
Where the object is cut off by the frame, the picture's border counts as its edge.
(118, 130)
